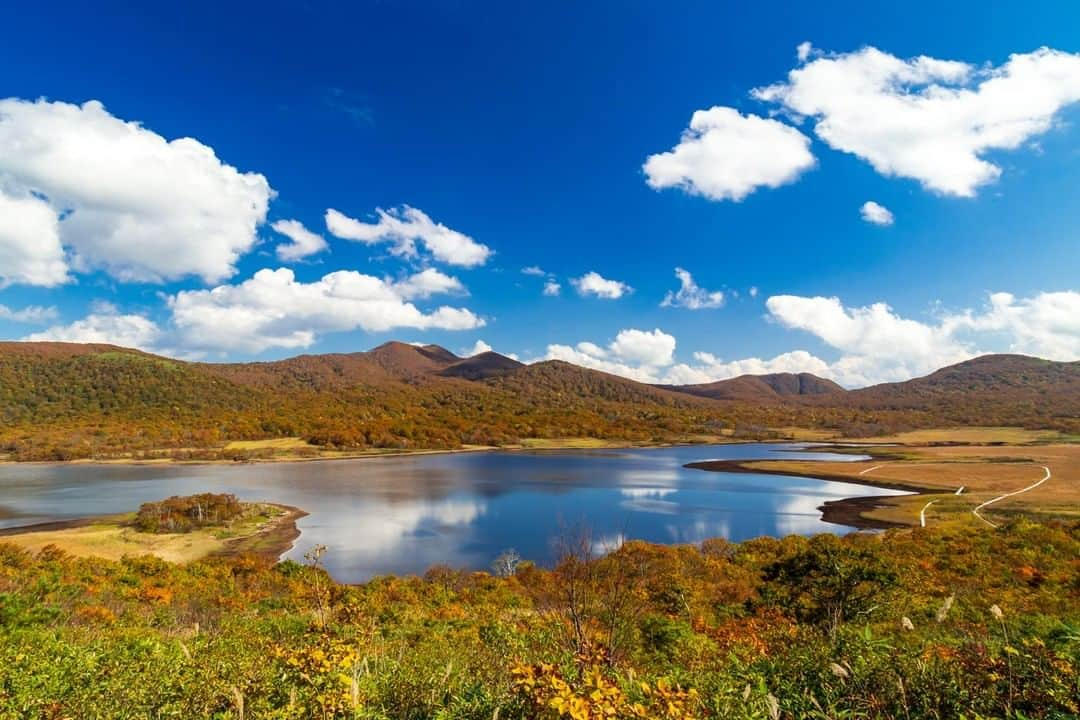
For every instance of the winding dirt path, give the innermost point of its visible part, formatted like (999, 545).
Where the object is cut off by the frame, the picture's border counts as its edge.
(999, 498)
(922, 513)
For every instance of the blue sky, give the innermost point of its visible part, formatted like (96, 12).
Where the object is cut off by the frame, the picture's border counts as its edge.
(525, 129)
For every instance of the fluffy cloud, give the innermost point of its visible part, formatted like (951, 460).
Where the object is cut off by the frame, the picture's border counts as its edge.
(690, 296)
(650, 357)
(122, 198)
(872, 343)
(30, 249)
(724, 155)
(654, 348)
(592, 283)
(272, 309)
(636, 354)
(709, 368)
(426, 283)
(1046, 325)
(479, 348)
(552, 287)
(578, 355)
(875, 343)
(405, 227)
(106, 325)
(877, 214)
(927, 119)
(30, 315)
(304, 242)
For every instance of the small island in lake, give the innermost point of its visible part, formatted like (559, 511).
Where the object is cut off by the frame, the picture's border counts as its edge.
(179, 529)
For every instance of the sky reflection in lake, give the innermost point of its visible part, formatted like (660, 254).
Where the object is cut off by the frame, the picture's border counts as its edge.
(403, 515)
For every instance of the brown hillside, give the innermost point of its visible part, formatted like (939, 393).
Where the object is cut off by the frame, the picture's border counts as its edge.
(984, 390)
(482, 366)
(772, 388)
(306, 372)
(570, 383)
(403, 360)
(14, 348)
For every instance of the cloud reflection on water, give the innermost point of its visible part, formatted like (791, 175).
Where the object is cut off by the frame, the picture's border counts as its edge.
(402, 515)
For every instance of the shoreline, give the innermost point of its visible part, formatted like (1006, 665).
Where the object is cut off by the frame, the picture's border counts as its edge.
(845, 511)
(167, 462)
(270, 542)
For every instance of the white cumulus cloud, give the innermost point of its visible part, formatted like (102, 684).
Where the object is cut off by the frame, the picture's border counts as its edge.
(30, 249)
(725, 155)
(304, 243)
(404, 228)
(649, 357)
(273, 309)
(636, 354)
(875, 343)
(872, 343)
(123, 198)
(479, 348)
(29, 315)
(552, 288)
(654, 348)
(878, 345)
(927, 119)
(426, 283)
(592, 283)
(106, 325)
(876, 214)
(690, 295)
(1046, 325)
(709, 368)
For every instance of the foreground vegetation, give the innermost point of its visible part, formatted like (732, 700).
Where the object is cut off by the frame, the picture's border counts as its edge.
(936, 623)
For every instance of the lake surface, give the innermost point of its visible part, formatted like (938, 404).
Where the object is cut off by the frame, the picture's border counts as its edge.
(405, 514)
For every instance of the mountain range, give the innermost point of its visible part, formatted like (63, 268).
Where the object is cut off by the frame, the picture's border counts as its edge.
(61, 400)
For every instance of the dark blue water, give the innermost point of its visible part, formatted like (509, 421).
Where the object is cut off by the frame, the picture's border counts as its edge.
(405, 514)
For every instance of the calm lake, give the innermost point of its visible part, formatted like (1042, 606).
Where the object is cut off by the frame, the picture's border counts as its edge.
(405, 514)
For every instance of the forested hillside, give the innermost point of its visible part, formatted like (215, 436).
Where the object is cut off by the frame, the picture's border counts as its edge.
(774, 387)
(65, 401)
(1011, 389)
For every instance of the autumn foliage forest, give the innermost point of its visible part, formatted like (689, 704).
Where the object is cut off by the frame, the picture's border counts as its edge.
(62, 402)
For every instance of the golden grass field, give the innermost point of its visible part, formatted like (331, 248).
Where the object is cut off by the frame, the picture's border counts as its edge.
(984, 471)
(289, 443)
(582, 443)
(970, 436)
(112, 538)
